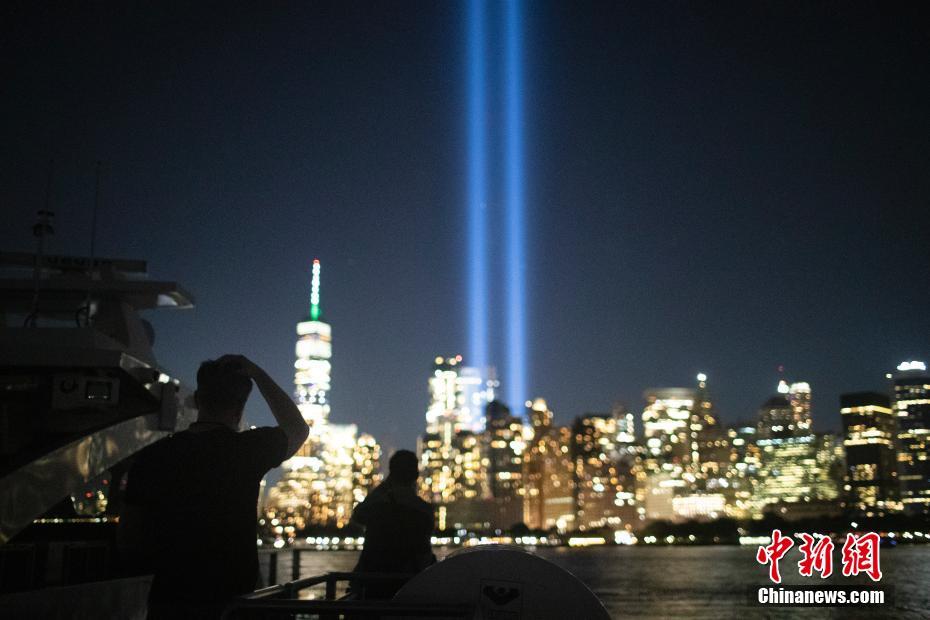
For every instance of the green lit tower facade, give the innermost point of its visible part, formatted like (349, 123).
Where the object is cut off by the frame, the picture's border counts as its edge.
(312, 367)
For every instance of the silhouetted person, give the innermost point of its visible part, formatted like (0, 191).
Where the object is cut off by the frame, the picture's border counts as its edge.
(398, 526)
(191, 499)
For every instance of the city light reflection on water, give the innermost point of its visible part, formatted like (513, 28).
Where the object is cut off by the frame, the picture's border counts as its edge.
(690, 582)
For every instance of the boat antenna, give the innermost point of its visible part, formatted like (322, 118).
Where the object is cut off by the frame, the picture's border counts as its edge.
(40, 230)
(91, 271)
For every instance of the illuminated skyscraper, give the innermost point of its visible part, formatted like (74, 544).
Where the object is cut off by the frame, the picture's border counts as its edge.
(776, 419)
(335, 468)
(471, 491)
(604, 481)
(505, 451)
(366, 470)
(912, 411)
(629, 461)
(800, 476)
(453, 475)
(869, 435)
(743, 473)
(626, 425)
(337, 445)
(799, 395)
(666, 432)
(458, 396)
(548, 473)
(801, 472)
(709, 444)
(454, 479)
(313, 351)
(788, 413)
(685, 455)
(667, 454)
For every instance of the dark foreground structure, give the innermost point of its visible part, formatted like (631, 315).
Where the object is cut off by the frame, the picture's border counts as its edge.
(484, 582)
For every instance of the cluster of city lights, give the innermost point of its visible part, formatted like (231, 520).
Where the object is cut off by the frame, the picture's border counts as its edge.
(598, 474)
(598, 481)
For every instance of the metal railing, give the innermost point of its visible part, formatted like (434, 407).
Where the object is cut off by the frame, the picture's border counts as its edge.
(281, 601)
(295, 564)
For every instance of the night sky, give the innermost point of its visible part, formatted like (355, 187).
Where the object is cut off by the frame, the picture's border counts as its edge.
(717, 187)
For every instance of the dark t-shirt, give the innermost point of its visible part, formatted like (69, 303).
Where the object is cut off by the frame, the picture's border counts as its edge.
(197, 492)
(397, 532)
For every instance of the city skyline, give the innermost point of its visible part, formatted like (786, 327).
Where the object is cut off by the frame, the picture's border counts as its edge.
(513, 475)
(718, 189)
(485, 466)
(598, 473)
(781, 386)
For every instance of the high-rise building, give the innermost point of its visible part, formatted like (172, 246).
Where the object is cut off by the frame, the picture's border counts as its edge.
(312, 368)
(800, 474)
(685, 457)
(437, 483)
(742, 477)
(629, 461)
(799, 396)
(869, 440)
(912, 411)
(471, 489)
(454, 476)
(786, 414)
(626, 425)
(458, 396)
(505, 449)
(548, 473)
(776, 419)
(604, 484)
(710, 451)
(337, 445)
(666, 432)
(800, 470)
(335, 468)
(366, 470)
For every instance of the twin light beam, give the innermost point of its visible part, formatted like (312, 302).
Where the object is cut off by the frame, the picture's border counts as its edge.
(515, 380)
(477, 188)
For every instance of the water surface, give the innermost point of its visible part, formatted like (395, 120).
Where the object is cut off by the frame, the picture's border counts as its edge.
(694, 582)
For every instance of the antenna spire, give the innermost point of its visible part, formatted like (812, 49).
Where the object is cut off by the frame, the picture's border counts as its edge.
(782, 384)
(315, 291)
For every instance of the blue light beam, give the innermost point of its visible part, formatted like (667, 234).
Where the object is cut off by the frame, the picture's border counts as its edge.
(477, 187)
(516, 210)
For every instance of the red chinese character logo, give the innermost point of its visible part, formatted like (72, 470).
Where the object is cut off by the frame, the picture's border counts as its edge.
(773, 553)
(818, 555)
(860, 555)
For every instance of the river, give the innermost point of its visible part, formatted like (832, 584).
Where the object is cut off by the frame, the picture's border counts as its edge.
(694, 582)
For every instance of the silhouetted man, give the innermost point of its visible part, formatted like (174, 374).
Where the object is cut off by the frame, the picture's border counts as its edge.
(398, 526)
(191, 499)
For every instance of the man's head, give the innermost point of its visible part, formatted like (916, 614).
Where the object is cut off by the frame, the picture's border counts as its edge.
(222, 389)
(403, 467)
